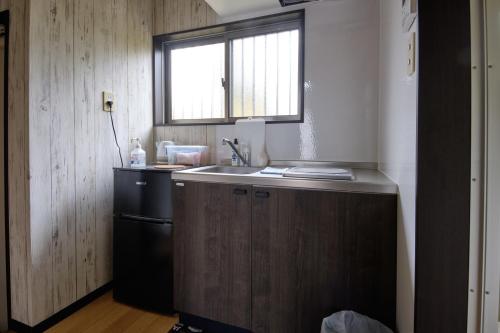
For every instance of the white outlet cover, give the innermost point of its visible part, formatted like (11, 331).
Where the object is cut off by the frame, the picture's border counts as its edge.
(107, 97)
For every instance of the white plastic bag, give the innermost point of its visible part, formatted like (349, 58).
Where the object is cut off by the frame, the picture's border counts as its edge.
(352, 322)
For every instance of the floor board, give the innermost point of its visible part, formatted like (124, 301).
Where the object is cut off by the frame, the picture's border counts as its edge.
(106, 315)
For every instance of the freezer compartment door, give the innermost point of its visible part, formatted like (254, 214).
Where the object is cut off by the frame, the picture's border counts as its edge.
(143, 193)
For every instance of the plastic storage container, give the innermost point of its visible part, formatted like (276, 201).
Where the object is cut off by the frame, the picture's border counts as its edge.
(188, 155)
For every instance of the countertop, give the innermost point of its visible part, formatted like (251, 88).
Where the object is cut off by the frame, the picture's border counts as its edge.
(149, 168)
(365, 181)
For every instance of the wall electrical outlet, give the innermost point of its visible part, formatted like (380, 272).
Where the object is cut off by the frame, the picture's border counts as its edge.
(108, 101)
(411, 54)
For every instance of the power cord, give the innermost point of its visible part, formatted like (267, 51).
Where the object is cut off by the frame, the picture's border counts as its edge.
(110, 104)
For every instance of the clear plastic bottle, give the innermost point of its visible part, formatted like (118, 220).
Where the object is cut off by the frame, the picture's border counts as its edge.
(235, 160)
(138, 155)
(245, 152)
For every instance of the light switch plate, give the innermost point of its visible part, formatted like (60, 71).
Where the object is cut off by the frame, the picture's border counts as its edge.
(106, 98)
(409, 14)
(411, 54)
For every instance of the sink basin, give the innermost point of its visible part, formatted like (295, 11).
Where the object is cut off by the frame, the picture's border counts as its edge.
(229, 170)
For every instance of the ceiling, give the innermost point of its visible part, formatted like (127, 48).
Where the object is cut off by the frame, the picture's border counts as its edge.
(237, 7)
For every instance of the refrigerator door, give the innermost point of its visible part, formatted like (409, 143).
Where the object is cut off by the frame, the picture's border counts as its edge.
(143, 263)
(143, 193)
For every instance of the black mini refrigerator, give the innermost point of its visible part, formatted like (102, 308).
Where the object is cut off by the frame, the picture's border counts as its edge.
(142, 239)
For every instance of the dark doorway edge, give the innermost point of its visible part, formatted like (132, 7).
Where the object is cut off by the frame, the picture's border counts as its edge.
(444, 167)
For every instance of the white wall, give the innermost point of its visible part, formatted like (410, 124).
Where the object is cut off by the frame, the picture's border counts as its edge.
(341, 98)
(492, 177)
(397, 147)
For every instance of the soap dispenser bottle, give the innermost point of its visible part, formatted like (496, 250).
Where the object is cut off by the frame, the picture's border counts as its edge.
(138, 155)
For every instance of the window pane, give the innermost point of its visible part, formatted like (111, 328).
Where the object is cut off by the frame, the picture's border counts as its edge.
(237, 94)
(196, 74)
(265, 75)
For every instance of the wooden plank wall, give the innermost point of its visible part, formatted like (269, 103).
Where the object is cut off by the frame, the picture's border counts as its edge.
(177, 15)
(61, 220)
(79, 48)
(18, 155)
(40, 274)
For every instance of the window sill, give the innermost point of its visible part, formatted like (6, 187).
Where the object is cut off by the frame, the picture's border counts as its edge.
(269, 121)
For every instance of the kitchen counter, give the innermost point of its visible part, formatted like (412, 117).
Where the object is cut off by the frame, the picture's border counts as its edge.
(236, 218)
(149, 168)
(365, 180)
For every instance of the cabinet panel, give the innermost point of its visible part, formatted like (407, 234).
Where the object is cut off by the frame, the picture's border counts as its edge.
(315, 253)
(273, 299)
(212, 262)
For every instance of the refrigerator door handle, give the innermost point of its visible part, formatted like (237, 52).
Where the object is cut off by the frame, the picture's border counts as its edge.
(145, 219)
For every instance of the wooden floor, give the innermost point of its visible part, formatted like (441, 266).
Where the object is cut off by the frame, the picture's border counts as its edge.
(106, 315)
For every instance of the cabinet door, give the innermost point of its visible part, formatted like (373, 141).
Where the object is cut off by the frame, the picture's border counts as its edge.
(142, 274)
(315, 253)
(143, 193)
(212, 261)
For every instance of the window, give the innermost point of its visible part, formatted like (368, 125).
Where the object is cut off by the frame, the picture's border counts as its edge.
(195, 81)
(216, 75)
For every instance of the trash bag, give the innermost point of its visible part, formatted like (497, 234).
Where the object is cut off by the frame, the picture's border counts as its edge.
(352, 322)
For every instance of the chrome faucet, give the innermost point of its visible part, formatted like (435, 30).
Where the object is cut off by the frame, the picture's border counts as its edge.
(236, 151)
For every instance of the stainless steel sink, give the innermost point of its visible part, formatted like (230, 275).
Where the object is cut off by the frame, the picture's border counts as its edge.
(365, 180)
(228, 170)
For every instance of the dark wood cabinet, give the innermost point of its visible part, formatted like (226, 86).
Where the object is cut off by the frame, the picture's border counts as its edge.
(315, 253)
(212, 265)
(276, 260)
